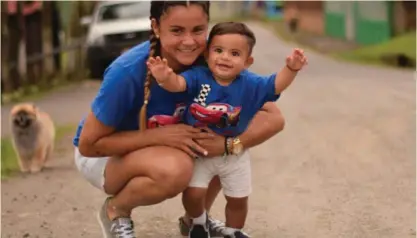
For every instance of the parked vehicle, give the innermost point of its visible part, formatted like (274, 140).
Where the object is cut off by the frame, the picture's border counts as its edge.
(114, 27)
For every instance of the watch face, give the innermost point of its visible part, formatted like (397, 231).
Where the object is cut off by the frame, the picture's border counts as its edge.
(237, 151)
(237, 148)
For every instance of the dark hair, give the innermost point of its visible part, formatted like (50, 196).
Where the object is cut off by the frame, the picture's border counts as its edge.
(225, 28)
(158, 8)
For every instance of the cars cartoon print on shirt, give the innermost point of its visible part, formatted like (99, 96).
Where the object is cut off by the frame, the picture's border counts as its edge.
(163, 120)
(220, 115)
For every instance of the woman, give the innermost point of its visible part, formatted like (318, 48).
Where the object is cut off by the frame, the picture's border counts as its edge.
(145, 167)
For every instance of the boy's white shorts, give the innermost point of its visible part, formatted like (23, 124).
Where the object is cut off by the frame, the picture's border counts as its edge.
(234, 172)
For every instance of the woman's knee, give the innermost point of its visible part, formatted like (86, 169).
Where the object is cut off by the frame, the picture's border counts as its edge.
(174, 182)
(174, 175)
(169, 168)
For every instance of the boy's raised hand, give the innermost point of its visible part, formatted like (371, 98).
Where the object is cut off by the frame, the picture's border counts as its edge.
(296, 60)
(159, 69)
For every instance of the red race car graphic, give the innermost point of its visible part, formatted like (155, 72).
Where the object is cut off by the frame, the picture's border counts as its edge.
(163, 120)
(218, 114)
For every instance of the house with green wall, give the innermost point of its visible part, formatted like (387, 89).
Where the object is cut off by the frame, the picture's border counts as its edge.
(364, 22)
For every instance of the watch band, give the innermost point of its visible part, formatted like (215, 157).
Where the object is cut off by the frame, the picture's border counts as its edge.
(229, 145)
(226, 148)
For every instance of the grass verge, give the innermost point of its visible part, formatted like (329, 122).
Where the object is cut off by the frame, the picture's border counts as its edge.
(34, 92)
(9, 164)
(384, 53)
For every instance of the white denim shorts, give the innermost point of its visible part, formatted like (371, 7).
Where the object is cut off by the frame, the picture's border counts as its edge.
(234, 172)
(92, 168)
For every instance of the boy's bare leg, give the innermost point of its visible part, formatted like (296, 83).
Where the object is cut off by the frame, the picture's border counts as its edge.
(236, 212)
(211, 194)
(193, 201)
(213, 190)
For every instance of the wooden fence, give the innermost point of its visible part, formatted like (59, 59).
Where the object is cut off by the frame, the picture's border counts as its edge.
(39, 51)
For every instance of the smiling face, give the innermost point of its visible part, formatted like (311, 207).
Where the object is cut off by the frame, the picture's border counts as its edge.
(228, 55)
(182, 31)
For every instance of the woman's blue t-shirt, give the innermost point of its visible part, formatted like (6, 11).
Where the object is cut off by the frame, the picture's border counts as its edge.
(120, 96)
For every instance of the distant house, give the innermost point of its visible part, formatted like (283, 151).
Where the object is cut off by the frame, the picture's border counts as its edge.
(404, 16)
(366, 22)
(363, 22)
(220, 10)
(310, 15)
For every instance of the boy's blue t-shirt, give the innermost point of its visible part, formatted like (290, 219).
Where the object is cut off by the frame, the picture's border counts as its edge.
(120, 96)
(227, 110)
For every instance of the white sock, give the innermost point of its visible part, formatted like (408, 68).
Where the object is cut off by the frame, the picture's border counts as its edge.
(201, 220)
(229, 230)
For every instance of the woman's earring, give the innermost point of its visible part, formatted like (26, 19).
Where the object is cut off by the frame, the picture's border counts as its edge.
(157, 36)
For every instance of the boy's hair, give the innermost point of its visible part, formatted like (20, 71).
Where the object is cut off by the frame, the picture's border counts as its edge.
(158, 8)
(225, 28)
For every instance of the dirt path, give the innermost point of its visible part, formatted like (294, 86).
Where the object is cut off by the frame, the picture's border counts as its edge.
(343, 167)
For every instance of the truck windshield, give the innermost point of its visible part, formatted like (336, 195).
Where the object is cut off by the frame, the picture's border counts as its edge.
(124, 11)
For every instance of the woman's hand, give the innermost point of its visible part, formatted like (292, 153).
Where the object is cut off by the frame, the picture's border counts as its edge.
(182, 137)
(214, 144)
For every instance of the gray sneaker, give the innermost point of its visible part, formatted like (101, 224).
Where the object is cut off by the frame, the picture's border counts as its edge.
(121, 227)
(199, 231)
(237, 234)
(215, 227)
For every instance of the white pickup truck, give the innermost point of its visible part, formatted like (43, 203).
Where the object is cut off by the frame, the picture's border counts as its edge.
(114, 27)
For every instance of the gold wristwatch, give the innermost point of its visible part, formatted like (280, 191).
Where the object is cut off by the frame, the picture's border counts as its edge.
(237, 146)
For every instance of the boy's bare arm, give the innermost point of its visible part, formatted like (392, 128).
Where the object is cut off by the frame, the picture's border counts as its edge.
(165, 76)
(283, 79)
(295, 62)
(174, 83)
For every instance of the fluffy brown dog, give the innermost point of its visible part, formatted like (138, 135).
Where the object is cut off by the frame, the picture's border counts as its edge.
(33, 135)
